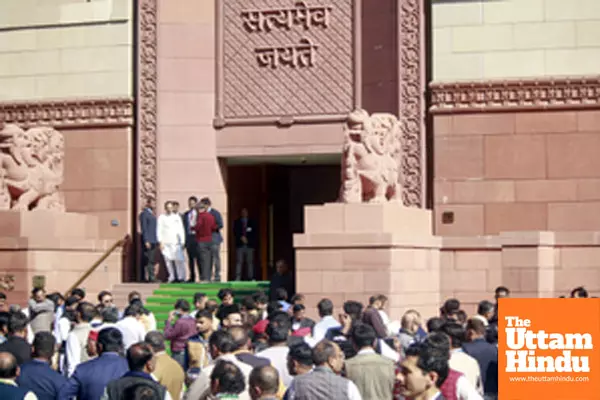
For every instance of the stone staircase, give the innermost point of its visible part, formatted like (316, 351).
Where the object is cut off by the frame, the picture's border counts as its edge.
(121, 291)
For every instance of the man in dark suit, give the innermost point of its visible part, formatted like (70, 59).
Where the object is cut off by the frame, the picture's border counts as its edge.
(245, 234)
(217, 239)
(149, 240)
(17, 333)
(486, 355)
(191, 245)
(37, 375)
(91, 377)
(9, 371)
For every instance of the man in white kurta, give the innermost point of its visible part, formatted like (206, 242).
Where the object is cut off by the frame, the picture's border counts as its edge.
(171, 237)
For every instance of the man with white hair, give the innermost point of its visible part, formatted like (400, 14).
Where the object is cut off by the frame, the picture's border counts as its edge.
(410, 324)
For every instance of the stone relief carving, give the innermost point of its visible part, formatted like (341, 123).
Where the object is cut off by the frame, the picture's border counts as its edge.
(7, 282)
(109, 112)
(147, 104)
(412, 88)
(31, 168)
(526, 94)
(371, 158)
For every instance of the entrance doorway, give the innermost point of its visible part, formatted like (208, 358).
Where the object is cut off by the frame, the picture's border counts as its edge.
(275, 193)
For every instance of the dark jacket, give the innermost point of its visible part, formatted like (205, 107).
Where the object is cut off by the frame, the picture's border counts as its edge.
(487, 356)
(179, 332)
(122, 389)
(10, 392)
(217, 238)
(148, 226)
(252, 360)
(250, 232)
(91, 377)
(336, 335)
(285, 281)
(18, 347)
(372, 317)
(38, 377)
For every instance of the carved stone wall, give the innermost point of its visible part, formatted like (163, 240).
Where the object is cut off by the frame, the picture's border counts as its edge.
(278, 59)
(411, 92)
(516, 155)
(147, 99)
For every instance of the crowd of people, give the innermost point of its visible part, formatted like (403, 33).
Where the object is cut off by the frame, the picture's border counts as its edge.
(255, 348)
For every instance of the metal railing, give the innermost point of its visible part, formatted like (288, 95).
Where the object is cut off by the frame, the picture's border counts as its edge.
(107, 253)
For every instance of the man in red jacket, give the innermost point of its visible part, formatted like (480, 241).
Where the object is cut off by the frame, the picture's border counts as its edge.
(205, 226)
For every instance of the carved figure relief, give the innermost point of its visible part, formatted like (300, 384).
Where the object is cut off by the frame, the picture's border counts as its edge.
(31, 168)
(371, 158)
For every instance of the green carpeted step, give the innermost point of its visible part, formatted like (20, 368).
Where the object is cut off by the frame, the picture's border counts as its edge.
(158, 300)
(164, 298)
(183, 293)
(254, 285)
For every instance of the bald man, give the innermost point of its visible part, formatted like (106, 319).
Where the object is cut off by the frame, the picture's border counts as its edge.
(411, 322)
(9, 371)
(244, 355)
(264, 383)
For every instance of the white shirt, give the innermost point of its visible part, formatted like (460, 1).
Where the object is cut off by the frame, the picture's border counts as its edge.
(73, 352)
(151, 322)
(132, 331)
(388, 352)
(278, 357)
(169, 229)
(30, 335)
(466, 391)
(321, 328)
(62, 329)
(468, 366)
(57, 316)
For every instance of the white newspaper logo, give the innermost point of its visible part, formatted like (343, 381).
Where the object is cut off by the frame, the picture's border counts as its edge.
(523, 344)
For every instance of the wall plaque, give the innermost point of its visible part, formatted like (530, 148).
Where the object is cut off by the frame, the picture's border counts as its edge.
(286, 61)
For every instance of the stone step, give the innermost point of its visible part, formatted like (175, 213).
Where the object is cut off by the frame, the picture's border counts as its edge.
(121, 291)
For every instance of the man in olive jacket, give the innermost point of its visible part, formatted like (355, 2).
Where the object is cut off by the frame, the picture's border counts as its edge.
(373, 374)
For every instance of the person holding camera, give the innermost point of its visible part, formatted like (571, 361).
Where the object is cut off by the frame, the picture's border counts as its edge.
(180, 326)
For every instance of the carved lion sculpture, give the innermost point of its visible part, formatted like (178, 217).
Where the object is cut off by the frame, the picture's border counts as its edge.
(371, 158)
(31, 168)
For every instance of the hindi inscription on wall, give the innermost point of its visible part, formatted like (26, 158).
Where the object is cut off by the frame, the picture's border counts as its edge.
(285, 58)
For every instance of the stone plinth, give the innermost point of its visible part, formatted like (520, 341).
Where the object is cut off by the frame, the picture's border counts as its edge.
(353, 251)
(59, 246)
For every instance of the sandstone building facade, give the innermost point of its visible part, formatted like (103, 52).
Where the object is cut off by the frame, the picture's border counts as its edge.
(499, 103)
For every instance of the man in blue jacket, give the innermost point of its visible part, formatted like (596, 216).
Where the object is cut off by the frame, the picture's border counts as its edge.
(217, 239)
(91, 377)
(37, 375)
(9, 371)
